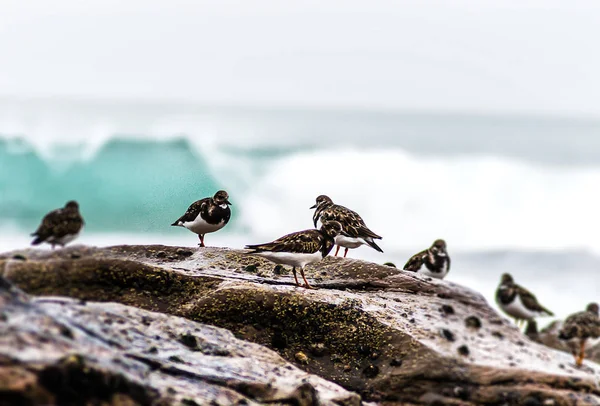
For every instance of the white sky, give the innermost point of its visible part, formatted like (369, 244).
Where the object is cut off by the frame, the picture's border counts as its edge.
(480, 55)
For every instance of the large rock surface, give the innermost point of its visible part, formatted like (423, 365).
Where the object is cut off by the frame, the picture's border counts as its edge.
(390, 336)
(65, 351)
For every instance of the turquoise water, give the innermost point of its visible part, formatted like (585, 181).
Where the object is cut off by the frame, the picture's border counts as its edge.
(132, 186)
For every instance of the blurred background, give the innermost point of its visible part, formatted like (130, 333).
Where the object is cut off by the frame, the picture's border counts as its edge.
(477, 122)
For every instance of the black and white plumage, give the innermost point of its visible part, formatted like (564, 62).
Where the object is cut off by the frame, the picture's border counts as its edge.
(300, 248)
(433, 262)
(60, 226)
(518, 302)
(581, 326)
(207, 215)
(354, 230)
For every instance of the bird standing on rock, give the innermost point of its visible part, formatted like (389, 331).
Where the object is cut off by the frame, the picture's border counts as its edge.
(434, 261)
(207, 215)
(60, 226)
(518, 302)
(582, 325)
(300, 248)
(354, 230)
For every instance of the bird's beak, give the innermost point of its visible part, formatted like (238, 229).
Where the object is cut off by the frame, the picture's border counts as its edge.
(228, 202)
(313, 207)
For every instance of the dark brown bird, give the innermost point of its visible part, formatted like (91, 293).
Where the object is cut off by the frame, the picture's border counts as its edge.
(60, 226)
(518, 302)
(300, 248)
(207, 215)
(581, 326)
(354, 230)
(434, 261)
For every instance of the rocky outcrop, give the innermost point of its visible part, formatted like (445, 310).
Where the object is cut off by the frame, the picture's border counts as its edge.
(388, 335)
(66, 351)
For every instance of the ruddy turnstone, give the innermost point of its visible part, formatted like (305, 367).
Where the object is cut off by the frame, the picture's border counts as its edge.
(207, 215)
(300, 248)
(354, 230)
(581, 325)
(60, 226)
(518, 302)
(434, 261)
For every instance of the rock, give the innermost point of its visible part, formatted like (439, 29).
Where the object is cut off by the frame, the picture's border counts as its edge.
(473, 322)
(301, 357)
(358, 310)
(121, 355)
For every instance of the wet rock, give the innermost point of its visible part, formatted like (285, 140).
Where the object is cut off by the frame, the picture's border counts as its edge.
(447, 309)
(396, 362)
(371, 371)
(301, 357)
(280, 270)
(358, 310)
(131, 366)
(278, 341)
(473, 322)
(318, 349)
(184, 252)
(189, 341)
(447, 334)
(463, 350)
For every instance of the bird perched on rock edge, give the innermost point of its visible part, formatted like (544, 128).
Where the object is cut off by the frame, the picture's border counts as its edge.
(581, 325)
(60, 226)
(206, 215)
(434, 261)
(300, 248)
(354, 230)
(518, 302)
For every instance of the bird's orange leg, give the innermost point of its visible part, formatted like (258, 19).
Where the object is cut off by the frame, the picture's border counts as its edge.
(579, 359)
(306, 285)
(337, 249)
(201, 238)
(295, 277)
(345, 252)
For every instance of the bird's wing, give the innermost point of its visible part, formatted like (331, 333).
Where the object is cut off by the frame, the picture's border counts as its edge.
(352, 224)
(194, 210)
(415, 262)
(48, 222)
(530, 301)
(305, 242)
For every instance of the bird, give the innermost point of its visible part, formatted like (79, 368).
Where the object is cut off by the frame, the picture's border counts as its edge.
(206, 215)
(354, 230)
(581, 325)
(60, 226)
(433, 262)
(518, 302)
(300, 248)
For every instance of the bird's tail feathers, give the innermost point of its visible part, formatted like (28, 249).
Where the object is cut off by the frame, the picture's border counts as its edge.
(37, 241)
(372, 244)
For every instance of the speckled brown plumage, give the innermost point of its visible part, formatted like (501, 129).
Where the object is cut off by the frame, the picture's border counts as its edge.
(353, 225)
(60, 226)
(301, 242)
(581, 326)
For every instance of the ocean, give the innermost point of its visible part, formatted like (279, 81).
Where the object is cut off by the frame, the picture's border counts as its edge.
(508, 193)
